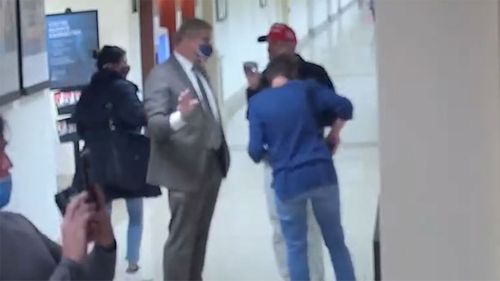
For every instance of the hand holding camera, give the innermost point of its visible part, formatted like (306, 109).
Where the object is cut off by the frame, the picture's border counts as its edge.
(85, 221)
(100, 228)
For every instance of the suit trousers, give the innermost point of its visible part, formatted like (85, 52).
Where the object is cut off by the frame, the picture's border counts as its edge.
(184, 253)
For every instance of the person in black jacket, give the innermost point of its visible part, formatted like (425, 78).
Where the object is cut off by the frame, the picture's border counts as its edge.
(282, 40)
(111, 102)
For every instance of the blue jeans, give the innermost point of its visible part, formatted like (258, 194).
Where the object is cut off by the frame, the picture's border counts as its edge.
(134, 232)
(293, 218)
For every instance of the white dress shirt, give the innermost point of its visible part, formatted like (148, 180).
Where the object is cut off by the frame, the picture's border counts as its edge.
(176, 121)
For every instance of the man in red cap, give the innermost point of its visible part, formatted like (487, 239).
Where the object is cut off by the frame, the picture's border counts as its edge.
(282, 40)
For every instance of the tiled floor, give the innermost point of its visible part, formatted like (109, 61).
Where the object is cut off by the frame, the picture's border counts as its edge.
(240, 242)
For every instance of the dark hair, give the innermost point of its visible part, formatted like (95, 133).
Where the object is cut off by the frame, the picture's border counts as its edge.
(109, 54)
(285, 65)
(190, 28)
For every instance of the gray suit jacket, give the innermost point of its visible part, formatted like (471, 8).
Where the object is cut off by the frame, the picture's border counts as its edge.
(180, 160)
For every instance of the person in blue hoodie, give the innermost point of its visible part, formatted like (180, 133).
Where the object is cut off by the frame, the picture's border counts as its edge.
(284, 125)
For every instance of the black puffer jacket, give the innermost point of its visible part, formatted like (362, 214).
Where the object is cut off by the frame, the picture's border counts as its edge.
(109, 96)
(92, 114)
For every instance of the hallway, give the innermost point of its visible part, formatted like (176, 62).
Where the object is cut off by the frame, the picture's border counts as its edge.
(240, 243)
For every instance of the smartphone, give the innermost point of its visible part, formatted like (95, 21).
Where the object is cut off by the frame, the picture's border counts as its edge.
(250, 67)
(64, 197)
(88, 186)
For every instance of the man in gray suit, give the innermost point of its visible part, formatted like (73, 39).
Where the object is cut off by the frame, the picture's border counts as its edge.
(189, 154)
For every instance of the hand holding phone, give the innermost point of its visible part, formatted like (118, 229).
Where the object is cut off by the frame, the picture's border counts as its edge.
(250, 67)
(86, 176)
(75, 226)
(85, 222)
(251, 70)
(100, 228)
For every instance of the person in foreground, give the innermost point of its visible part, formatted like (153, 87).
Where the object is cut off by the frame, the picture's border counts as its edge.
(27, 254)
(284, 129)
(189, 154)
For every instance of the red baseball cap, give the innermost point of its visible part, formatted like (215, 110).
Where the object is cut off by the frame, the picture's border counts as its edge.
(279, 32)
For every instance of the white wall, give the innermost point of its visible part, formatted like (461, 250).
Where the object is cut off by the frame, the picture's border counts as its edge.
(440, 139)
(344, 3)
(334, 7)
(320, 12)
(236, 40)
(32, 145)
(298, 18)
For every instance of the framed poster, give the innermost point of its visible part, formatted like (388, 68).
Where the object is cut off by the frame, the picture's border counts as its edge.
(9, 53)
(72, 40)
(221, 10)
(34, 60)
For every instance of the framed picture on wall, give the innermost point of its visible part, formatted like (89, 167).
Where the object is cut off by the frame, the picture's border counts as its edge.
(9, 53)
(34, 59)
(263, 3)
(221, 10)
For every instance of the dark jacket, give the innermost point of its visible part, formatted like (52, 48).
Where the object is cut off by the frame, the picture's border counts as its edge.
(108, 88)
(300, 158)
(306, 70)
(109, 97)
(27, 254)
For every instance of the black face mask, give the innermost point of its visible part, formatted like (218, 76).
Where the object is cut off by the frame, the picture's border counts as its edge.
(205, 51)
(124, 71)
